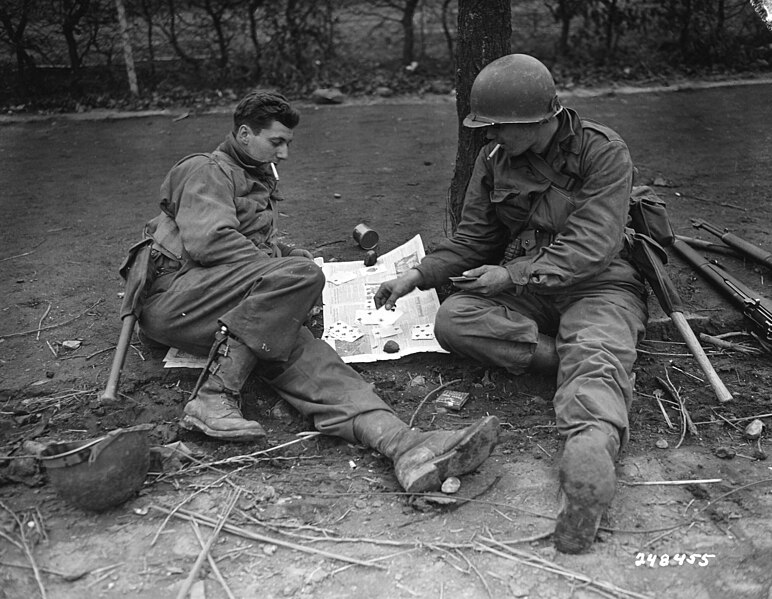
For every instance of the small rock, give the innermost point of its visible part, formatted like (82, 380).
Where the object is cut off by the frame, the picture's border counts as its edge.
(329, 95)
(391, 347)
(662, 444)
(754, 429)
(418, 381)
(725, 453)
(72, 344)
(451, 485)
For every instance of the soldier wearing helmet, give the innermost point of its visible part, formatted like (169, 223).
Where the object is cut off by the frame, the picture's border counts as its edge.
(542, 242)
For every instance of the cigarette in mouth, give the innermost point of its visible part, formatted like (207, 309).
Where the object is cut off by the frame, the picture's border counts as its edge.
(274, 171)
(493, 151)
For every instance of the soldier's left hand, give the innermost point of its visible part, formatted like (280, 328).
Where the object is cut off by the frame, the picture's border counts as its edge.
(302, 253)
(491, 280)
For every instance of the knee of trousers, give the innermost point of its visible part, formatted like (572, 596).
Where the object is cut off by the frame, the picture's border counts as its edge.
(450, 323)
(307, 271)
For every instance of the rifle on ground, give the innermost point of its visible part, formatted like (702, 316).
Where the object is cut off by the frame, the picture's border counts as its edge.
(746, 247)
(756, 308)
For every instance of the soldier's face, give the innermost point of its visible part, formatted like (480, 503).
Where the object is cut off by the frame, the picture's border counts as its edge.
(267, 145)
(517, 138)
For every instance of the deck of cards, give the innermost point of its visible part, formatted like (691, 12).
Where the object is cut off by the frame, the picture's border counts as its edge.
(452, 400)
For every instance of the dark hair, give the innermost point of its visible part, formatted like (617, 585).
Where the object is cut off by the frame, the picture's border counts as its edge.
(259, 109)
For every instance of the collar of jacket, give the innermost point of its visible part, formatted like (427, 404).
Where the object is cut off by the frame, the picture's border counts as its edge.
(258, 170)
(567, 139)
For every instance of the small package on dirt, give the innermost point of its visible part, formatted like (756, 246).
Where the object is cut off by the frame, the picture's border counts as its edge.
(452, 400)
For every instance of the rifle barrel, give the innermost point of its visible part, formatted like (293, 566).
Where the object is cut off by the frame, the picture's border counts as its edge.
(746, 247)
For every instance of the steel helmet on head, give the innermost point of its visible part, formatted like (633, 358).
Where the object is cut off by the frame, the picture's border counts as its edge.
(516, 88)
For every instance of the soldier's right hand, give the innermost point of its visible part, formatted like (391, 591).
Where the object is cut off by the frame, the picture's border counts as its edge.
(390, 291)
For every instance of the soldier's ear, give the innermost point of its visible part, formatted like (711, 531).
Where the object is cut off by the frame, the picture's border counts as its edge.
(243, 134)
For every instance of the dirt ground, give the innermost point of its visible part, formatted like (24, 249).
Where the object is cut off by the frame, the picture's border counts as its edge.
(75, 191)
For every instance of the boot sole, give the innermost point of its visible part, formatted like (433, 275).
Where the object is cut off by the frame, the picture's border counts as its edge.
(192, 423)
(588, 484)
(466, 456)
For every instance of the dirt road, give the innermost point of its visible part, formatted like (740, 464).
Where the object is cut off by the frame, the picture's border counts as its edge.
(74, 194)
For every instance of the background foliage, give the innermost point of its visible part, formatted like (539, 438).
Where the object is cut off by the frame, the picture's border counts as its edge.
(67, 54)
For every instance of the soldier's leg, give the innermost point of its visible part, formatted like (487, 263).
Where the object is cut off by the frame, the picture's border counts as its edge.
(319, 384)
(262, 306)
(596, 344)
(502, 331)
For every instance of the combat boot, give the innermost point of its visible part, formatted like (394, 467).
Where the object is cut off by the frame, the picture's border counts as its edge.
(587, 485)
(214, 407)
(423, 460)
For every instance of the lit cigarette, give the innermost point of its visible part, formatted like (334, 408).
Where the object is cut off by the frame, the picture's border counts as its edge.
(493, 151)
(274, 171)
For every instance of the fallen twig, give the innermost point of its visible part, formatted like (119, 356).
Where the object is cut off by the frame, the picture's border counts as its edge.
(187, 499)
(671, 482)
(658, 397)
(193, 574)
(718, 342)
(247, 534)
(531, 559)
(768, 415)
(42, 318)
(52, 326)
(686, 420)
(23, 546)
(426, 398)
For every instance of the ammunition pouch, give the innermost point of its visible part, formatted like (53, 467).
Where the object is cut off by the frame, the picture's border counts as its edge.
(648, 216)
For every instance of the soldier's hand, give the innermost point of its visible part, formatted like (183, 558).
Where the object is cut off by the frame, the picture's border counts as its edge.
(302, 253)
(390, 291)
(491, 280)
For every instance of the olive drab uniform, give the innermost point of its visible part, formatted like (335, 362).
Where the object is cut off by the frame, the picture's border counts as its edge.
(219, 263)
(562, 239)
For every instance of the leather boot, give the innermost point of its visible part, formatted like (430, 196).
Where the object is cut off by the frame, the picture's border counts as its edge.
(545, 356)
(423, 460)
(214, 407)
(587, 484)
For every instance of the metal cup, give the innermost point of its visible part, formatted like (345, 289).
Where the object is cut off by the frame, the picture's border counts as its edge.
(365, 237)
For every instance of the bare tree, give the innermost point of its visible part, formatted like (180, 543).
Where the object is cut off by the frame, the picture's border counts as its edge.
(128, 54)
(405, 11)
(484, 31)
(15, 15)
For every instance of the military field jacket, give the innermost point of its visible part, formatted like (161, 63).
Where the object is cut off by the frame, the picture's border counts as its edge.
(581, 231)
(214, 211)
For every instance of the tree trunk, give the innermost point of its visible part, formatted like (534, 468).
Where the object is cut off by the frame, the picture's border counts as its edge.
(128, 55)
(446, 29)
(408, 42)
(484, 32)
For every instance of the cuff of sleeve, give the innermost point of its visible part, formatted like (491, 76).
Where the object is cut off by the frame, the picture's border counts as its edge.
(519, 272)
(424, 284)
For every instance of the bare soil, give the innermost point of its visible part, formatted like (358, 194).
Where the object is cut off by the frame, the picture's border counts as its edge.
(75, 193)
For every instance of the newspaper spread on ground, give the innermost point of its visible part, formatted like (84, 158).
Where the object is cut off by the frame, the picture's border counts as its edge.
(352, 325)
(359, 332)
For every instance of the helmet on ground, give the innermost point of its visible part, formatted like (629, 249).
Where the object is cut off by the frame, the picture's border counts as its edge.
(100, 473)
(516, 88)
